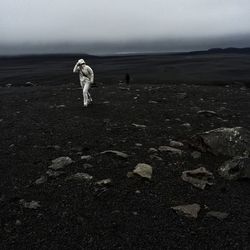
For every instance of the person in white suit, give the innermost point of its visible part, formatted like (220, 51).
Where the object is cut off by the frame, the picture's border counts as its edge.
(86, 76)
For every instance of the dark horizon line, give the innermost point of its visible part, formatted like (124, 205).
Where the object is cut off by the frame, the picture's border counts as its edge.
(126, 54)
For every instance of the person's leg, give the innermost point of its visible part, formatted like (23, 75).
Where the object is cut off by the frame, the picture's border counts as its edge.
(82, 85)
(86, 93)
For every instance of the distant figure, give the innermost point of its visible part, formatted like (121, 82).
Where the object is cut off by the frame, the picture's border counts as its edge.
(86, 76)
(127, 78)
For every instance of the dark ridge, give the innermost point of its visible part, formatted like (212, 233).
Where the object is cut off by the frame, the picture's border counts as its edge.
(48, 56)
(218, 51)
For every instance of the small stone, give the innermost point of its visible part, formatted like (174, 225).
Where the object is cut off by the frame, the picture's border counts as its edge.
(186, 125)
(152, 151)
(135, 213)
(60, 106)
(86, 157)
(170, 149)
(18, 223)
(199, 177)
(87, 165)
(41, 180)
(104, 182)
(196, 154)
(120, 154)
(130, 174)
(155, 157)
(30, 205)
(144, 170)
(80, 177)
(60, 162)
(207, 113)
(52, 173)
(139, 125)
(138, 192)
(56, 147)
(176, 144)
(138, 145)
(190, 211)
(218, 215)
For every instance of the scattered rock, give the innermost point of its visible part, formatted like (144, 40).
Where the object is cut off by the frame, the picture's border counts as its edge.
(170, 149)
(52, 173)
(86, 157)
(118, 153)
(30, 205)
(130, 174)
(60, 162)
(182, 95)
(155, 157)
(138, 125)
(87, 165)
(18, 223)
(144, 170)
(235, 169)
(60, 106)
(223, 141)
(152, 151)
(41, 180)
(176, 144)
(80, 177)
(186, 125)
(196, 154)
(218, 215)
(104, 182)
(153, 102)
(199, 177)
(207, 113)
(190, 211)
(29, 84)
(138, 145)
(56, 147)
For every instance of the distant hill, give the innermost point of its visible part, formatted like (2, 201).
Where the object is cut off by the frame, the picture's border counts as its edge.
(218, 51)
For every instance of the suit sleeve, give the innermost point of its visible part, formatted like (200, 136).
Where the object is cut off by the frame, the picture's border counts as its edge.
(76, 68)
(91, 75)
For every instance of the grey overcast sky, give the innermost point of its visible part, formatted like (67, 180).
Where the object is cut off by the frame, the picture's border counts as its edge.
(115, 22)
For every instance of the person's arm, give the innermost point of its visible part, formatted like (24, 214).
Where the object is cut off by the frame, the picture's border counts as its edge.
(91, 75)
(76, 68)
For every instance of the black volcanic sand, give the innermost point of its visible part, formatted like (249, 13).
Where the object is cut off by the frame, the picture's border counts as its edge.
(132, 213)
(207, 68)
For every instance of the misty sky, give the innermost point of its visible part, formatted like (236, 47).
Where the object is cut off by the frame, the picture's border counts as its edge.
(41, 22)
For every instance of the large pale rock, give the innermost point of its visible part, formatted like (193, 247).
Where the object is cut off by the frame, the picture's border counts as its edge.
(144, 170)
(237, 168)
(223, 141)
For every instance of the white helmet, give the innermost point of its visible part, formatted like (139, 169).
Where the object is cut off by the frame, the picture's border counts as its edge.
(81, 61)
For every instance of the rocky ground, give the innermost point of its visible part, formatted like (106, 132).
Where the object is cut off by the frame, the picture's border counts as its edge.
(42, 211)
